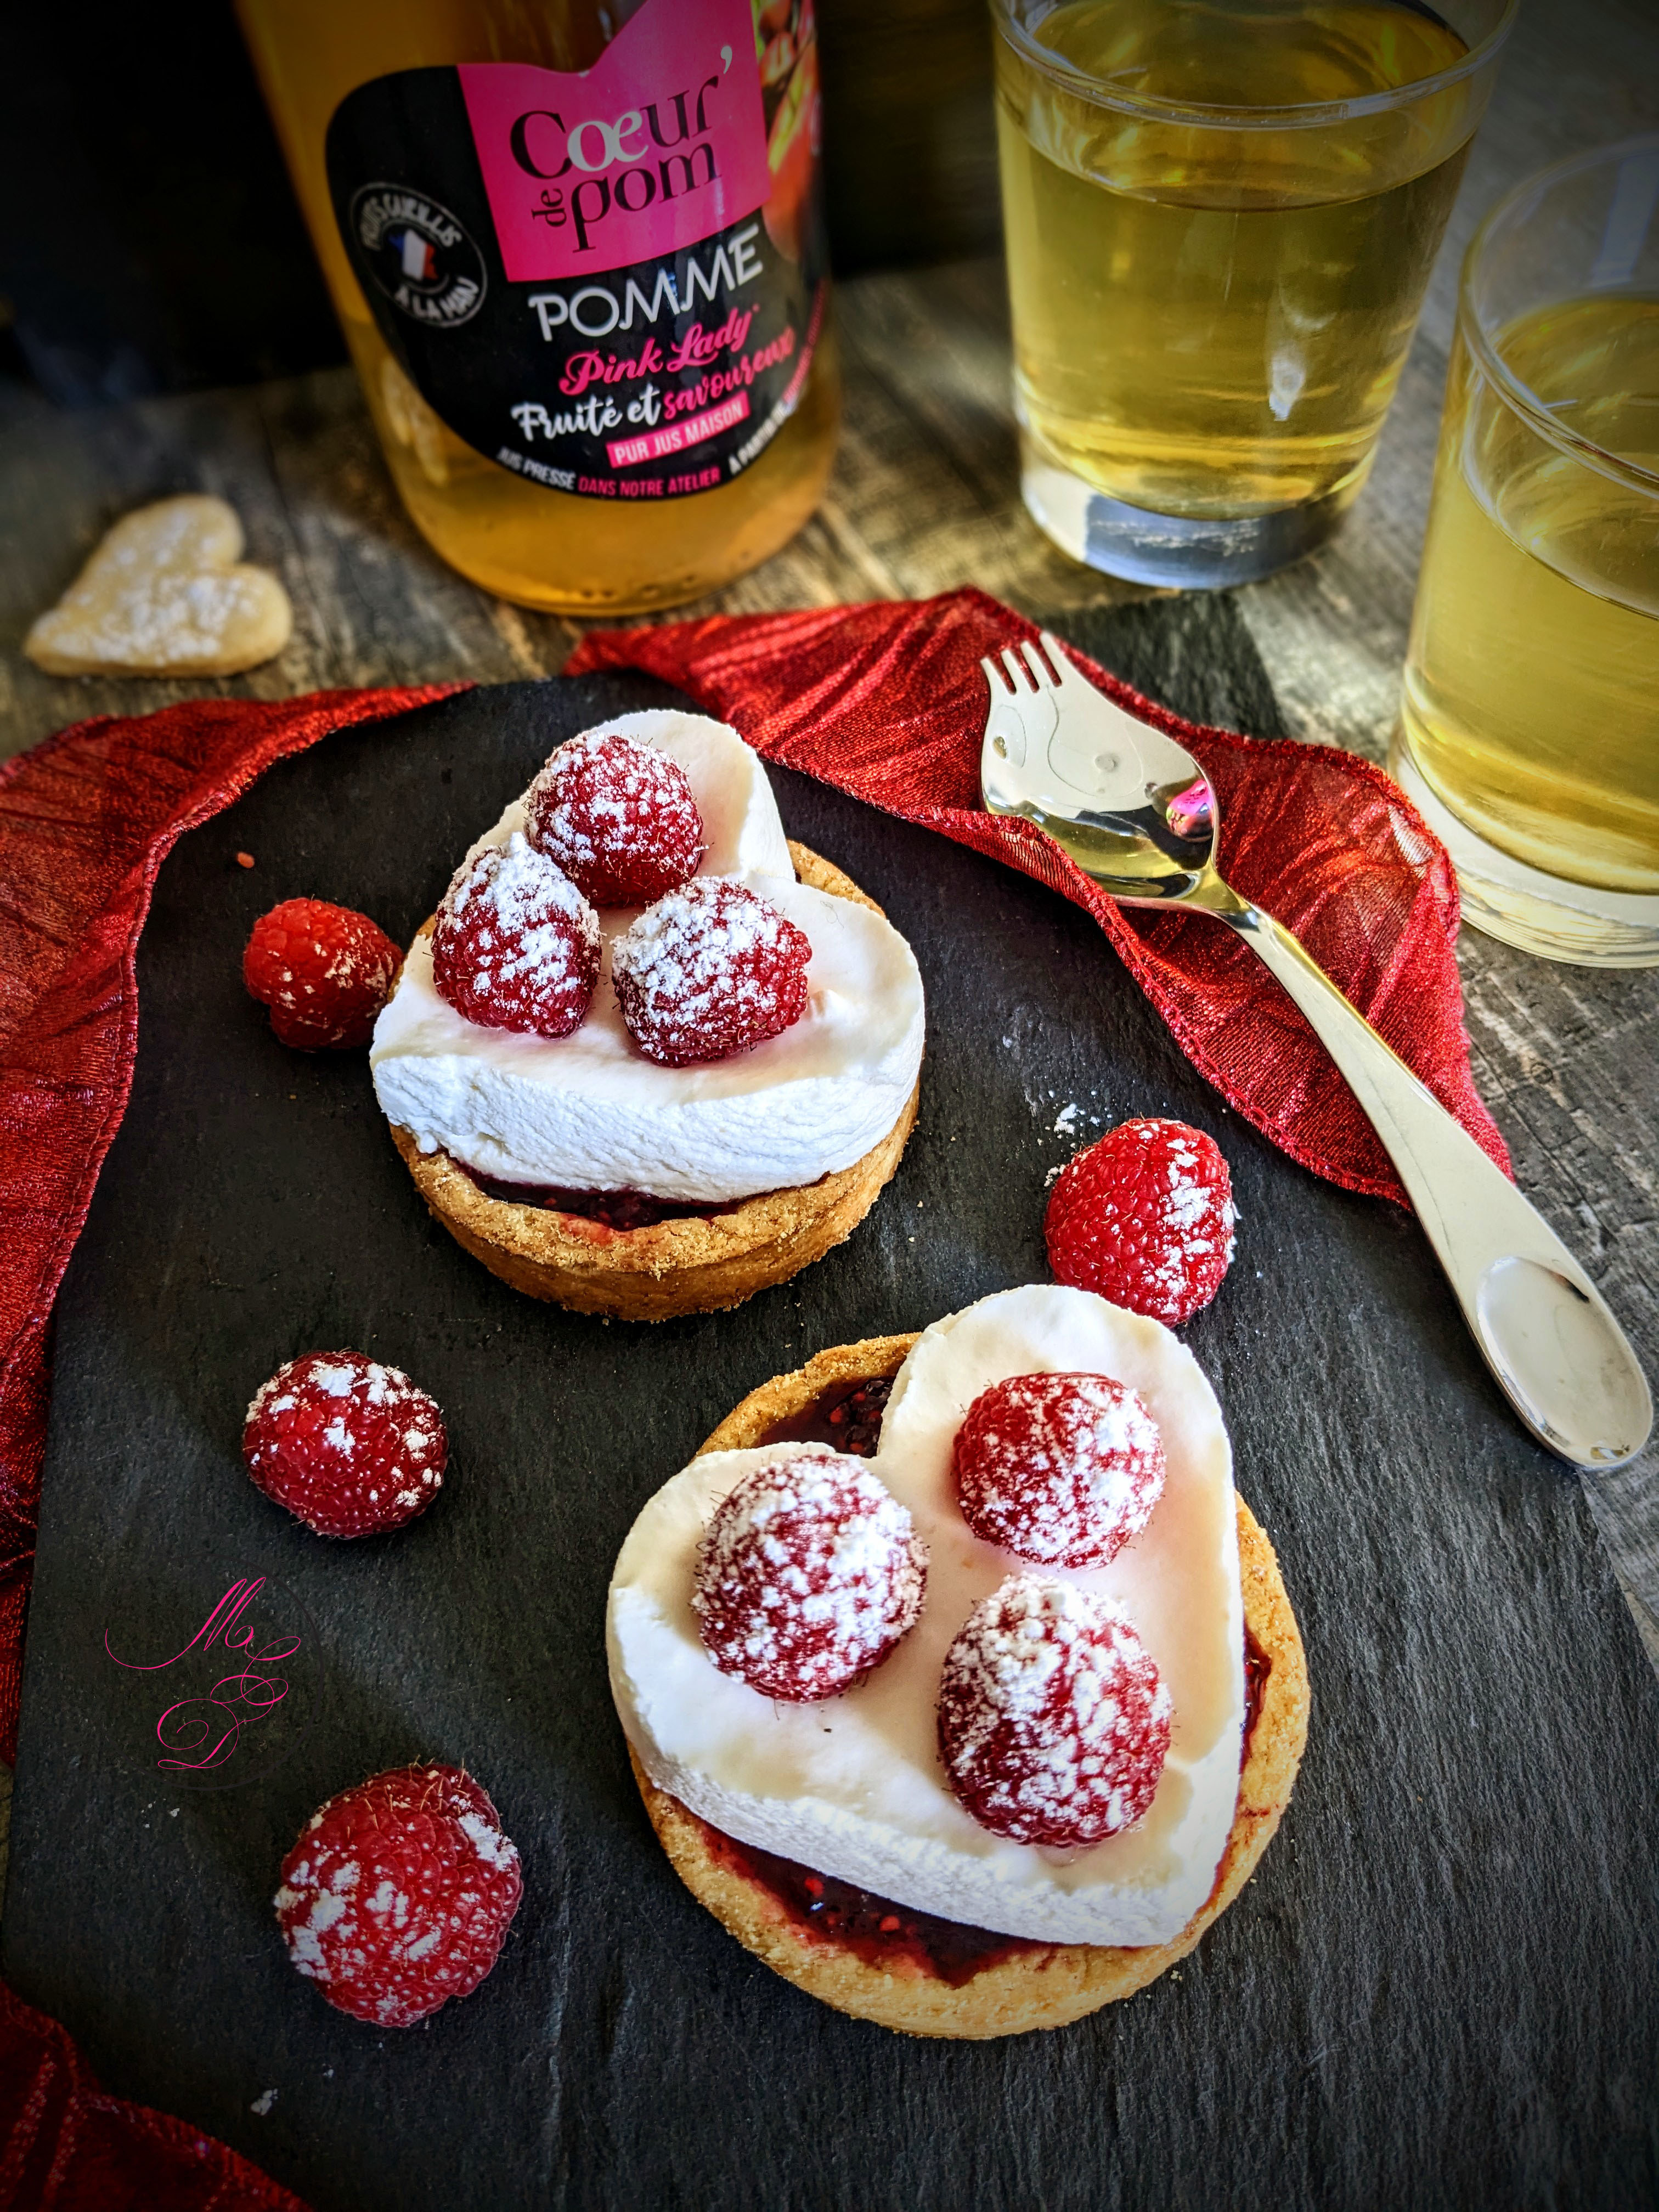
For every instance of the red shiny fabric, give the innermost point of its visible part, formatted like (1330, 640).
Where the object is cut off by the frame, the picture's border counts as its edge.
(86, 820)
(888, 702)
(66, 2146)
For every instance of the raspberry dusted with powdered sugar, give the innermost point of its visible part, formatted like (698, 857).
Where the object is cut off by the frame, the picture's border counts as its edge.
(618, 816)
(709, 971)
(807, 1576)
(349, 1446)
(325, 972)
(1145, 1218)
(398, 1894)
(1062, 1469)
(1053, 1724)
(516, 945)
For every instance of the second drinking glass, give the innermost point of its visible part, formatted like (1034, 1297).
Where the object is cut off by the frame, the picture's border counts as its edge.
(1221, 215)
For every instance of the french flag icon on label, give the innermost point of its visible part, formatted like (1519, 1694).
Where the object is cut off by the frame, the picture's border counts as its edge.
(415, 254)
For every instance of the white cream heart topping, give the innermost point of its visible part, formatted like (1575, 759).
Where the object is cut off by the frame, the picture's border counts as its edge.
(854, 1787)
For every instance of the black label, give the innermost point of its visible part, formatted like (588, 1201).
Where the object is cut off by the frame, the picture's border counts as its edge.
(652, 380)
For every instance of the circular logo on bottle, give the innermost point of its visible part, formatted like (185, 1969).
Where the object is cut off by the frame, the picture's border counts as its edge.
(418, 254)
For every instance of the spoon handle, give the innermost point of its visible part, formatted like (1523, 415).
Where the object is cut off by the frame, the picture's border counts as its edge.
(1543, 1328)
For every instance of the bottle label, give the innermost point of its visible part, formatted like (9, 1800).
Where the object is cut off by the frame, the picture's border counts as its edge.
(609, 284)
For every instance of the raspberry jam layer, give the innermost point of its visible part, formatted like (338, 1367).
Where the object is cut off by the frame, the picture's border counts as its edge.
(620, 1210)
(1257, 1667)
(845, 1414)
(873, 1927)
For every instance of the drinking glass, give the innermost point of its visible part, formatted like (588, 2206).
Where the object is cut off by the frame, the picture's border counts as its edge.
(1220, 218)
(1529, 723)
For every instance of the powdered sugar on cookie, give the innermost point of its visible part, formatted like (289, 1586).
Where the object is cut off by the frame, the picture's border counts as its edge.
(166, 594)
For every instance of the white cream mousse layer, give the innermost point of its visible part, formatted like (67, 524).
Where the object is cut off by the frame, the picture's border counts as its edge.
(590, 1112)
(854, 1787)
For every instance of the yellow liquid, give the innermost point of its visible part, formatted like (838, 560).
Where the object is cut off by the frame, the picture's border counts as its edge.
(1210, 321)
(542, 548)
(1532, 691)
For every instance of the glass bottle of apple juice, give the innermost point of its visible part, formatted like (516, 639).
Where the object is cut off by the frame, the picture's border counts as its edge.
(578, 251)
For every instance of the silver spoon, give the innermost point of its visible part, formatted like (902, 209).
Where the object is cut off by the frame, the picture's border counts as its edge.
(1134, 811)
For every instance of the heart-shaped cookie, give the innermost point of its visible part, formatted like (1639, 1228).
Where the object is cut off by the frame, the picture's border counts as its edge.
(166, 593)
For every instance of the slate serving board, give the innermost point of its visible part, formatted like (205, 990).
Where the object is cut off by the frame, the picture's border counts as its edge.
(1442, 1988)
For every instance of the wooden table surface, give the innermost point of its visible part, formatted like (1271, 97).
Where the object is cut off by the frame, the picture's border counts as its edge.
(925, 496)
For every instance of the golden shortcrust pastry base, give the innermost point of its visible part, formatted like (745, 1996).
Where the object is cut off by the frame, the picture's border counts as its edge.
(1045, 1987)
(690, 1265)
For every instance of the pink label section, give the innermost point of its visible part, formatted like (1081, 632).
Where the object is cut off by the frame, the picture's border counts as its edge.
(679, 437)
(661, 144)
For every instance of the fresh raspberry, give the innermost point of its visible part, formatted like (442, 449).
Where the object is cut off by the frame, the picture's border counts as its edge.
(1062, 1469)
(1145, 1217)
(323, 971)
(807, 1576)
(398, 1894)
(516, 945)
(618, 818)
(708, 971)
(1053, 1724)
(349, 1446)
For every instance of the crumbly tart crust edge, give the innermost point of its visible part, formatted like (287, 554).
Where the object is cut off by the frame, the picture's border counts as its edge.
(1041, 1989)
(689, 1265)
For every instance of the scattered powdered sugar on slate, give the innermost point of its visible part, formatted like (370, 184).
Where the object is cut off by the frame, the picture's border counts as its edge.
(398, 1894)
(1061, 1469)
(708, 971)
(516, 945)
(807, 1576)
(158, 621)
(1053, 1724)
(618, 818)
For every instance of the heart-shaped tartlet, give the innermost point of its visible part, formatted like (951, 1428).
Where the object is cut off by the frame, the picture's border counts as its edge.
(713, 1111)
(830, 1837)
(166, 593)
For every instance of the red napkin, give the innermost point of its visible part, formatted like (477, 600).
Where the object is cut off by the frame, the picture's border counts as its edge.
(886, 701)
(65, 2144)
(86, 820)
